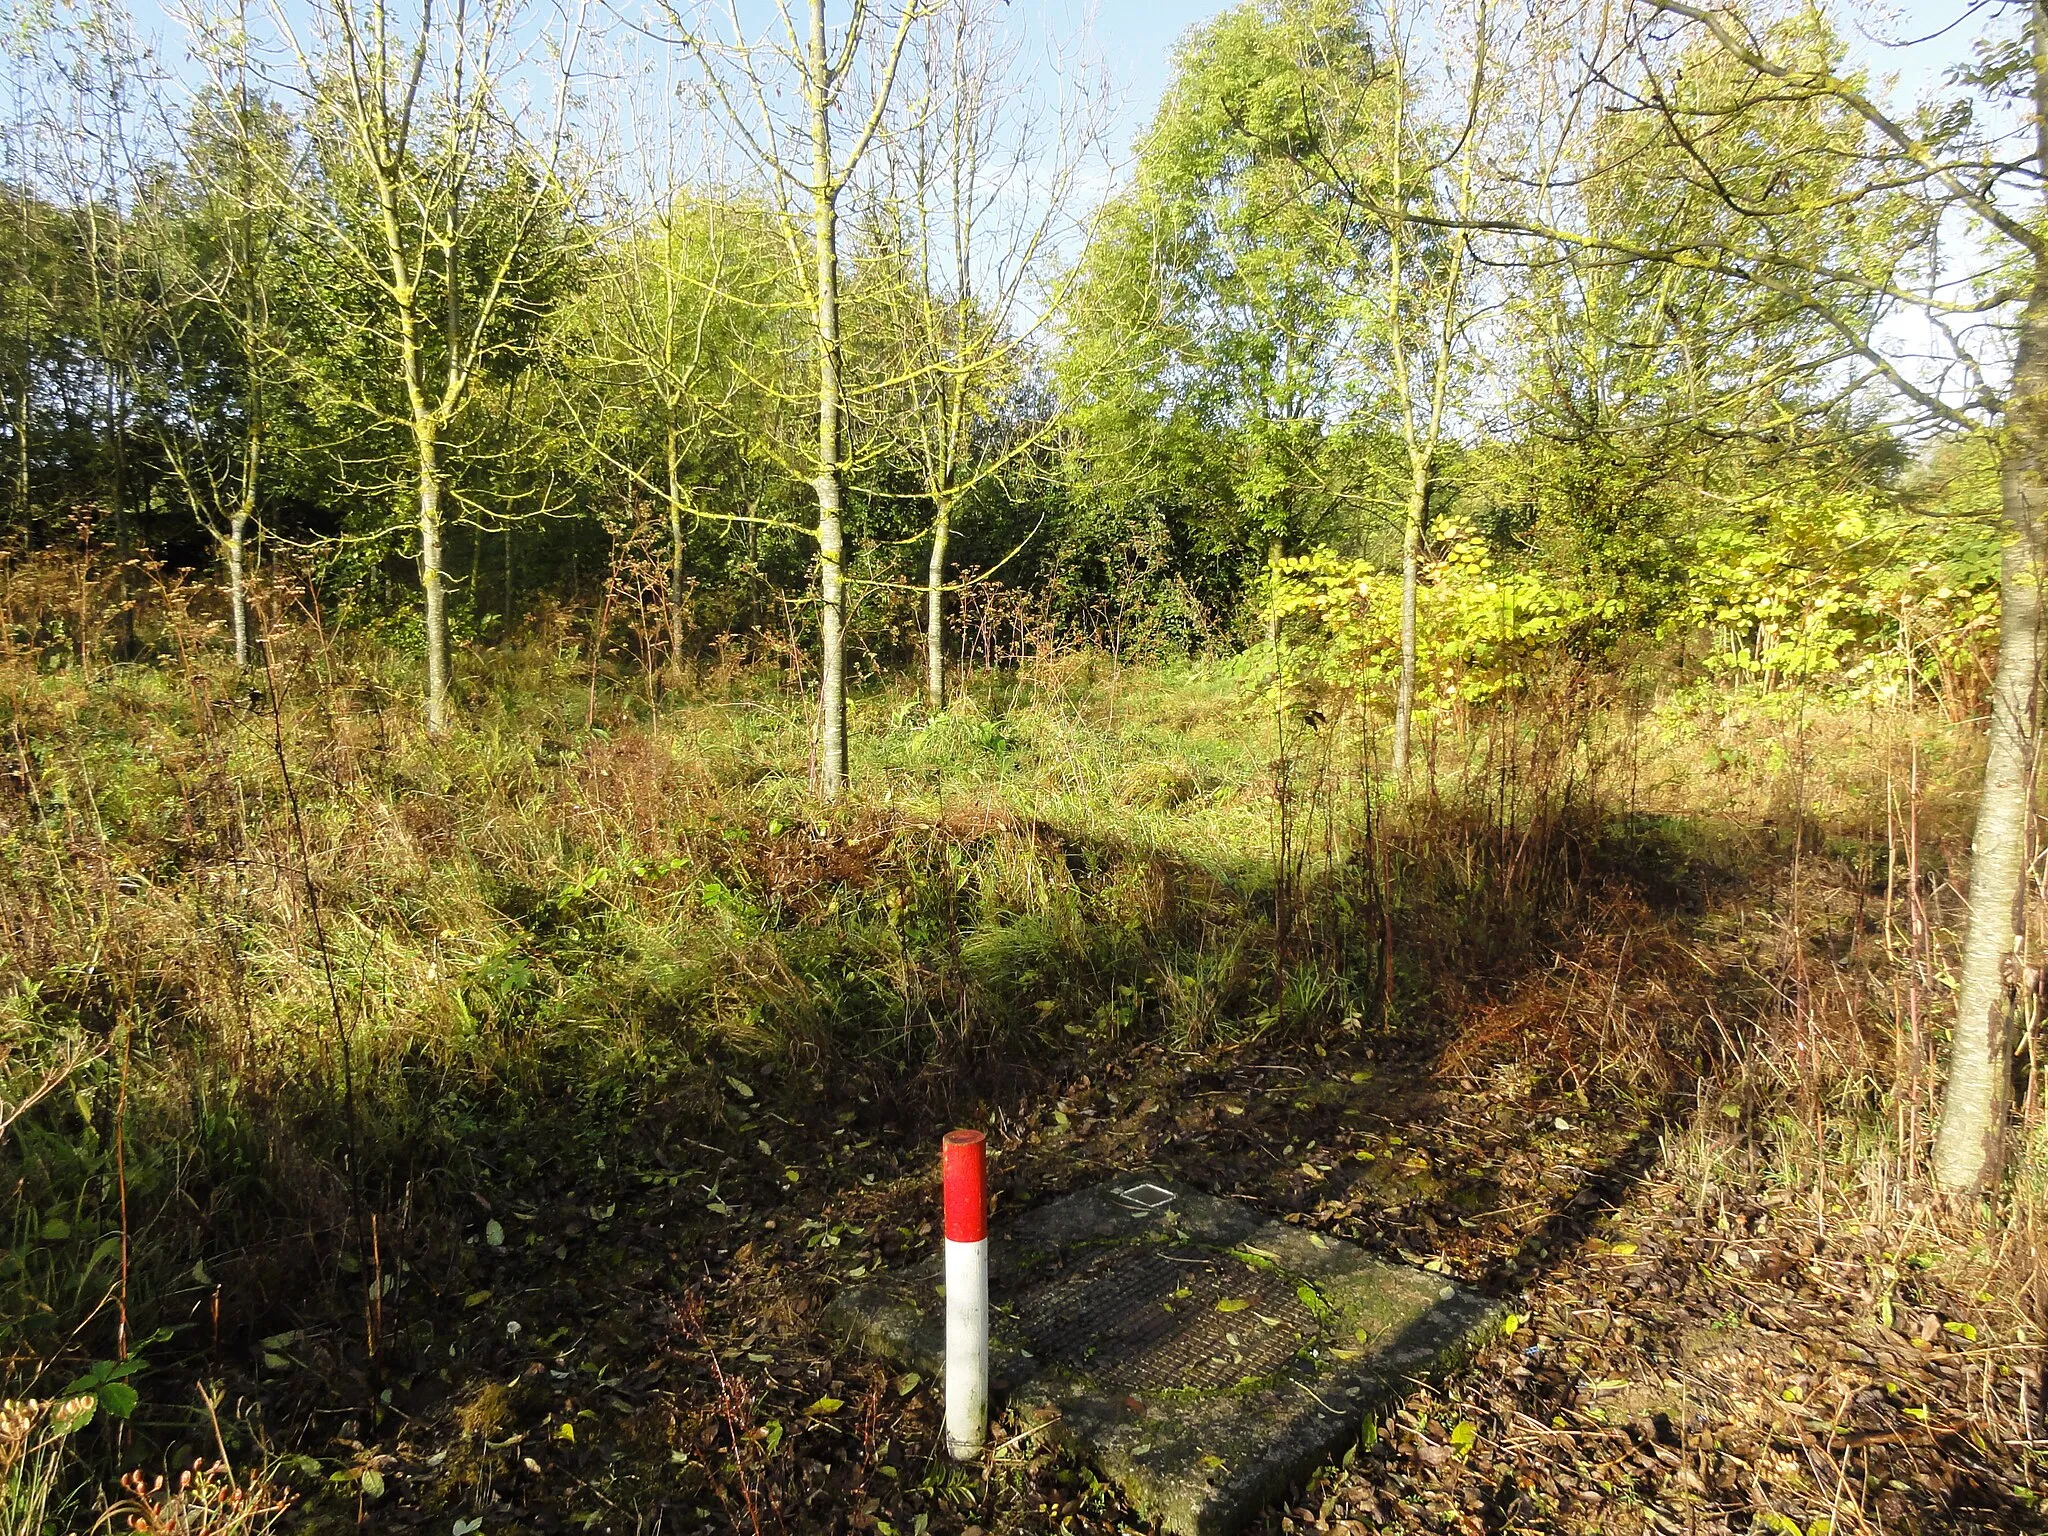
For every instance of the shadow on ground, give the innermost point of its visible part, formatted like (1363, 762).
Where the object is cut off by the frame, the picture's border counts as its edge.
(620, 1327)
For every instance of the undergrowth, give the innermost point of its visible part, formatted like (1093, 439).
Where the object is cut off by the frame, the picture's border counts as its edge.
(282, 978)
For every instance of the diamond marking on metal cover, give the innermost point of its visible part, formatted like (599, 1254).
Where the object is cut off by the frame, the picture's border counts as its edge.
(1146, 1197)
(1146, 1319)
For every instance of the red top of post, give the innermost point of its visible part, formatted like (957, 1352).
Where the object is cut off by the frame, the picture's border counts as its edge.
(964, 1161)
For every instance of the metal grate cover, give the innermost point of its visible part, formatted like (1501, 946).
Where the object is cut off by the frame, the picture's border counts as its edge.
(1145, 1319)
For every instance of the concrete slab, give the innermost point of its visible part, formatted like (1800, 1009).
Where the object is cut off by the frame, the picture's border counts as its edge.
(1205, 1356)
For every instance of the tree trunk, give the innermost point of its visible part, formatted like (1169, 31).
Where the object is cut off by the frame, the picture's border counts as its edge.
(675, 558)
(21, 495)
(432, 588)
(238, 546)
(1411, 561)
(1969, 1147)
(21, 487)
(935, 612)
(828, 482)
(238, 598)
(832, 776)
(1273, 595)
(28, 357)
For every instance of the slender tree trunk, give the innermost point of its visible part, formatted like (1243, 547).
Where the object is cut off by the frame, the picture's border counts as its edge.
(21, 488)
(832, 775)
(28, 346)
(935, 612)
(117, 441)
(1411, 562)
(238, 548)
(675, 557)
(1969, 1147)
(1272, 594)
(238, 601)
(21, 436)
(829, 482)
(433, 590)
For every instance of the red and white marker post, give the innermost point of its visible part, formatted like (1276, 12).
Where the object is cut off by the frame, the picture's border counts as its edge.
(964, 1162)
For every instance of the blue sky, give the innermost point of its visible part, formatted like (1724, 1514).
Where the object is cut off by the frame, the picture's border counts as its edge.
(1135, 39)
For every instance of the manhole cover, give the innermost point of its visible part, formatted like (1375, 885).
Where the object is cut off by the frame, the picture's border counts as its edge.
(1157, 1318)
(1112, 1331)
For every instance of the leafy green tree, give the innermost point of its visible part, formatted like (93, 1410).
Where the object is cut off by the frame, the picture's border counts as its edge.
(1407, 169)
(1214, 342)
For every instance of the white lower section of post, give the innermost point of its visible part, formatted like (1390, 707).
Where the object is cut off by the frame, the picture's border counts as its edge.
(966, 1348)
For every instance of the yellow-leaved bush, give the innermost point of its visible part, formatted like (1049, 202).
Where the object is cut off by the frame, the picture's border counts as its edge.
(1481, 627)
(1840, 590)
(1844, 591)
